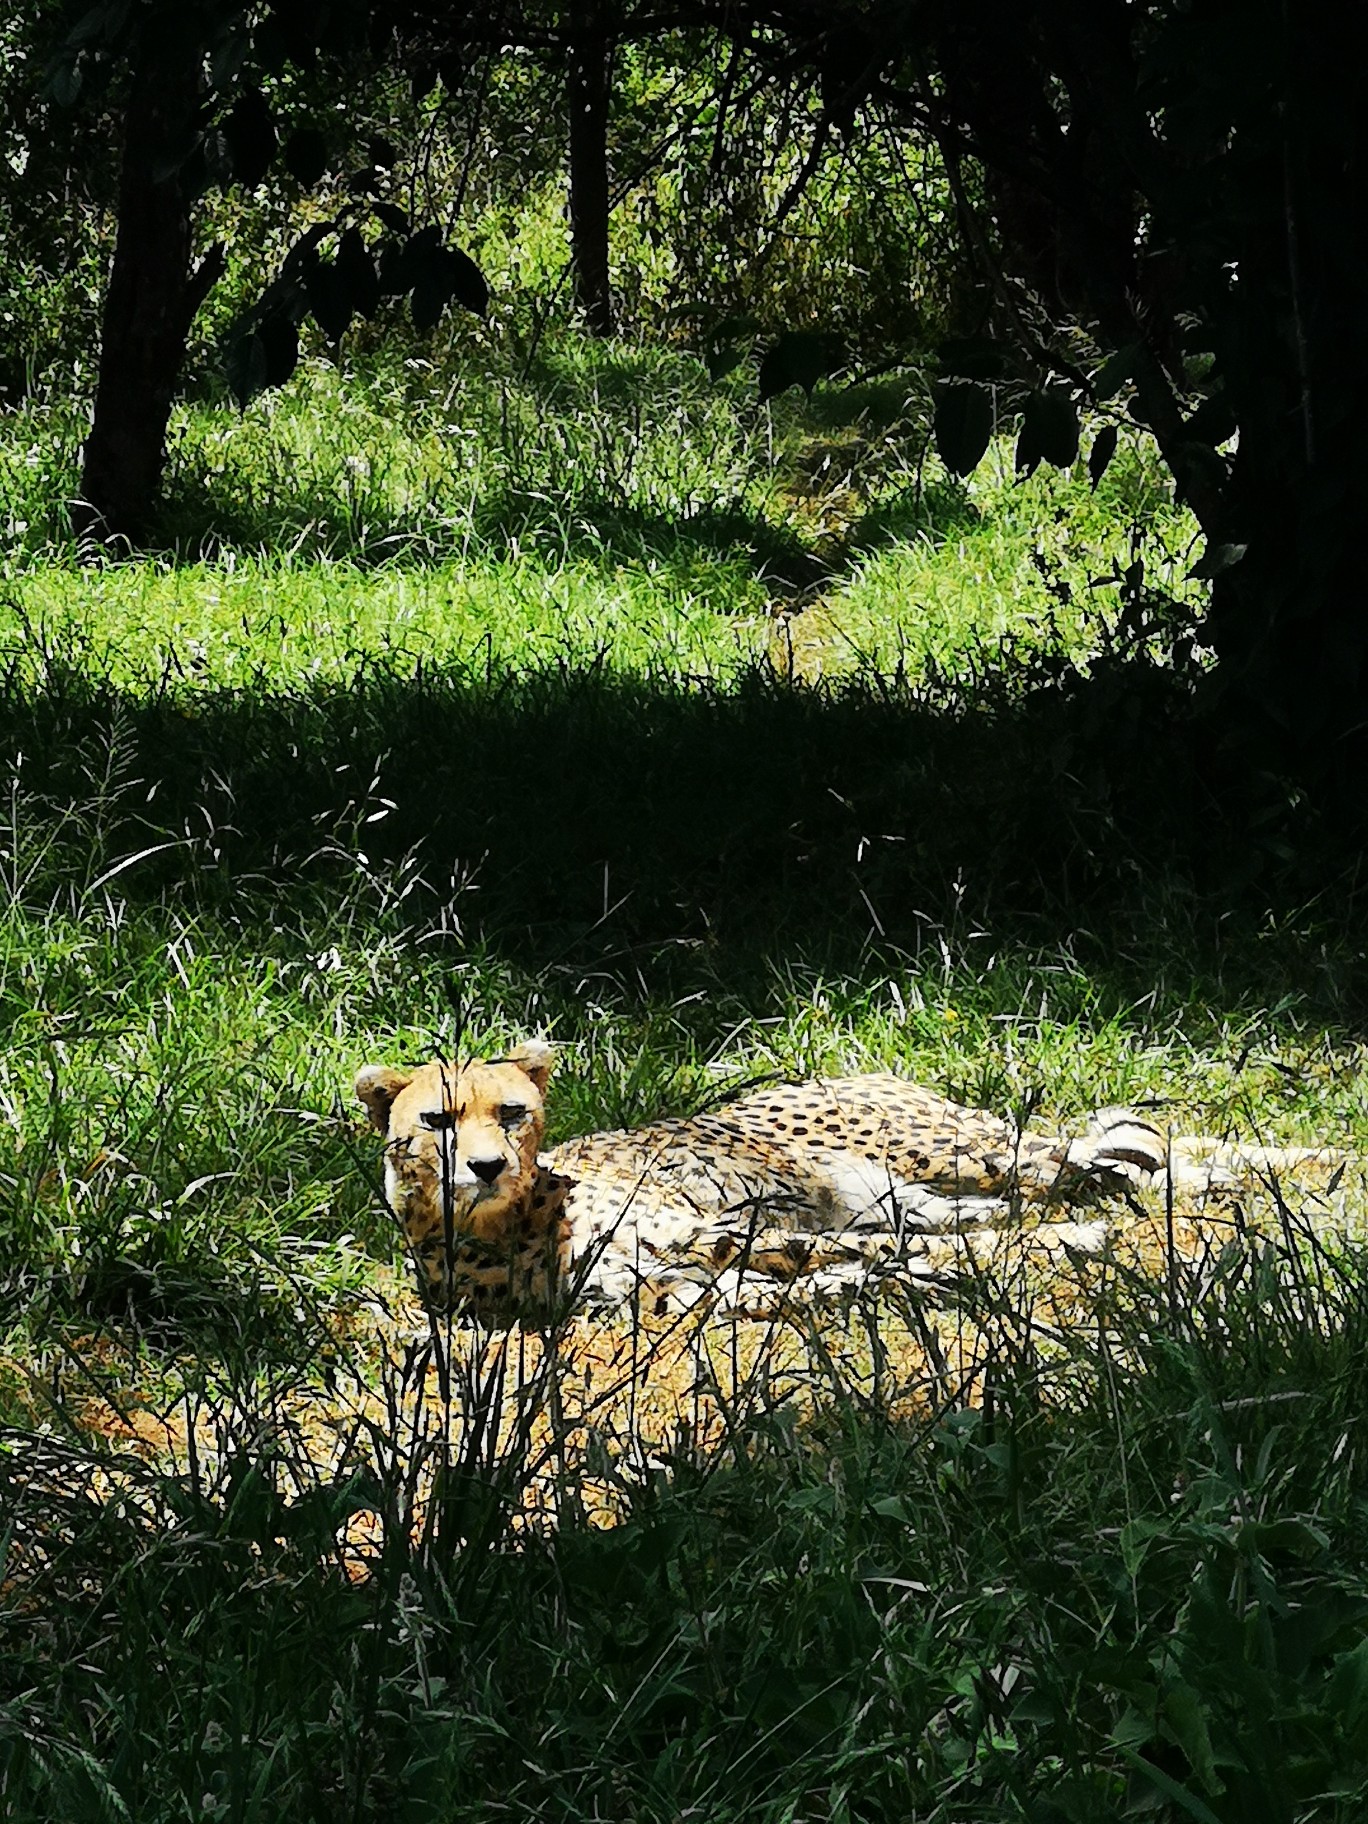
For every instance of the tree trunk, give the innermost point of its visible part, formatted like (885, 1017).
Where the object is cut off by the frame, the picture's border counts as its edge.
(151, 297)
(590, 56)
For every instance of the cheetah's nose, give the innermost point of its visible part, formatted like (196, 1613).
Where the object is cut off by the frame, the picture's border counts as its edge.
(487, 1170)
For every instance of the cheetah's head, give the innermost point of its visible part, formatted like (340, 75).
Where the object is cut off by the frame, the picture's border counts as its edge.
(461, 1170)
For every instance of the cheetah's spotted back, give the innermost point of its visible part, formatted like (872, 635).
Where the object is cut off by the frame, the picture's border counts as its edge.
(820, 1175)
(826, 1179)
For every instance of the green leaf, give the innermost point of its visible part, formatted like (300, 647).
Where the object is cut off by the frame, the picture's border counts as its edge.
(1185, 1714)
(437, 275)
(801, 357)
(1028, 450)
(64, 85)
(1213, 422)
(357, 271)
(1295, 1537)
(99, 24)
(1101, 453)
(468, 282)
(254, 1508)
(1136, 1537)
(268, 45)
(419, 252)
(1197, 467)
(963, 426)
(225, 62)
(330, 299)
(1049, 428)
(1164, 1783)
(892, 1507)
(215, 162)
(817, 1498)
(391, 215)
(302, 25)
(300, 257)
(422, 73)
(429, 300)
(250, 133)
(722, 361)
(393, 269)
(315, 1517)
(727, 343)
(368, 182)
(1347, 1692)
(740, 326)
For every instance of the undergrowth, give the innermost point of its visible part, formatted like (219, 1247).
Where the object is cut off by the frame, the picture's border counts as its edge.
(1123, 1581)
(722, 743)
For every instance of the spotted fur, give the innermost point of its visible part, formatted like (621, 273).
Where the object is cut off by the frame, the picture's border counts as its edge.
(818, 1178)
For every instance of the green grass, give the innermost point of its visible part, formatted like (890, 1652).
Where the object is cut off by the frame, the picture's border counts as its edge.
(1149, 1596)
(719, 742)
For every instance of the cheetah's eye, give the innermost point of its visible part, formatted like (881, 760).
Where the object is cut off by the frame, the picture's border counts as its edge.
(438, 1119)
(510, 1113)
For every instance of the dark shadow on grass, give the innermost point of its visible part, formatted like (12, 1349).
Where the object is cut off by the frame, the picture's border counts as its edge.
(877, 404)
(932, 514)
(199, 525)
(702, 836)
(209, 513)
(616, 533)
(674, 850)
(590, 371)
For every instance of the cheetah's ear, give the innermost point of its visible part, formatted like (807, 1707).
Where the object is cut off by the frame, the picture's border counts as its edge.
(534, 1059)
(377, 1086)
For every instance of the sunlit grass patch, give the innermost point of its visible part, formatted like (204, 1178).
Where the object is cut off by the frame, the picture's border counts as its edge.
(265, 624)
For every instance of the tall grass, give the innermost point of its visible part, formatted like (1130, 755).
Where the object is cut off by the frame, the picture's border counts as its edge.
(1128, 1580)
(722, 743)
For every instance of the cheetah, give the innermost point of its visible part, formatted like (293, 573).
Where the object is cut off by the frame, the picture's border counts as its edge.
(828, 1179)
